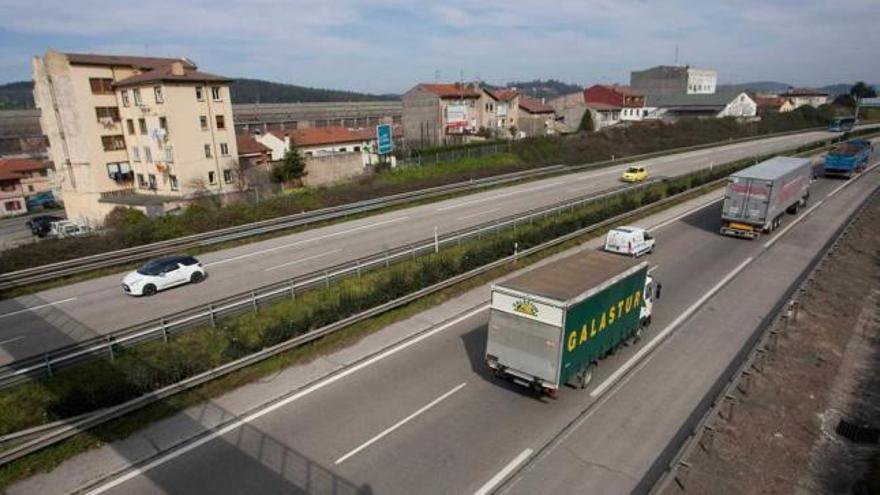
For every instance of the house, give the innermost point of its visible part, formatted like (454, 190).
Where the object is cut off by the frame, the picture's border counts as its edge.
(612, 104)
(674, 80)
(569, 110)
(320, 141)
(536, 118)
(806, 96)
(440, 114)
(721, 104)
(35, 176)
(12, 201)
(772, 104)
(254, 159)
(144, 132)
(498, 112)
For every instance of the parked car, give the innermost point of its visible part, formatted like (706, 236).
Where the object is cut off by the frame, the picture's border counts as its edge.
(162, 273)
(67, 228)
(635, 174)
(41, 200)
(631, 241)
(41, 225)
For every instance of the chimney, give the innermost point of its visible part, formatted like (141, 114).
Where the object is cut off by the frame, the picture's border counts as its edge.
(177, 69)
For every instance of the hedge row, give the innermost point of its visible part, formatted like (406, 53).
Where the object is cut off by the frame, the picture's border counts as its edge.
(149, 366)
(129, 228)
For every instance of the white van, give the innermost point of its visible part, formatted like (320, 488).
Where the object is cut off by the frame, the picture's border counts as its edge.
(631, 241)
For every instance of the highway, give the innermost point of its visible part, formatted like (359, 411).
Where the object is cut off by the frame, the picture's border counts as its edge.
(430, 418)
(37, 323)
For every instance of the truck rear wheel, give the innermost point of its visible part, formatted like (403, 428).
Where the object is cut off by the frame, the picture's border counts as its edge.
(585, 376)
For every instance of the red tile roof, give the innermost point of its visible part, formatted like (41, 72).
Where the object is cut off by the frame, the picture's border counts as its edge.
(622, 89)
(533, 105)
(503, 94)
(314, 136)
(166, 74)
(247, 145)
(770, 101)
(21, 165)
(6, 175)
(124, 60)
(602, 106)
(456, 90)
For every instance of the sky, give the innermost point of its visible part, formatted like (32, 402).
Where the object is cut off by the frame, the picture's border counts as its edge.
(389, 46)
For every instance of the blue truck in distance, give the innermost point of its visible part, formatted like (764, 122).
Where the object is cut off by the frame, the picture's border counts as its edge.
(847, 159)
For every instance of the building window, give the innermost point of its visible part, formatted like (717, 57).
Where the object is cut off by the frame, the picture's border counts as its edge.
(163, 124)
(221, 122)
(227, 175)
(224, 149)
(141, 182)
(136, 153)
(357, 148)
(203, 121)
(119, 171)
(125, 101)
(172, 180)
(30, 188)
(200, 93)
(137, 96)
(101, 85)
(152, 178)
(343, 149)
(211, 178)
(107, 115)
(157, 92)
(215, 93)
(130, 124)
(12, 205)
(207, 151)
(142, 123)
(113, 143)
(148, 154)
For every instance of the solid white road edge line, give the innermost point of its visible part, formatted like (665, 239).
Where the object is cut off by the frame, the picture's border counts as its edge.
(25, 310)
(602, 387)
(278, 405)
(13, 339)
(400, 423)
(307, 258)
(297, 243)
(504, 473)
(472, 215)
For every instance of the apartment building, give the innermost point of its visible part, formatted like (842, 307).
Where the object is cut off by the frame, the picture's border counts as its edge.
(674, 80)
(440, 114)
(806, 96)
(497, 111)
(143, 132)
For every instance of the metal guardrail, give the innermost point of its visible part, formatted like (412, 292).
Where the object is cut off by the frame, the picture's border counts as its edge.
(76, 426)
(663, 470)
(251, 300)
(138, 253)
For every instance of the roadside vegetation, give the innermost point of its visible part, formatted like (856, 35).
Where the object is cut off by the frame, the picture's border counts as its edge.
(127, 228)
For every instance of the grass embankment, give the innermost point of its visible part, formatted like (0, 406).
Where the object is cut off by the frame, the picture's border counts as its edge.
(155, 364)
(127, 229)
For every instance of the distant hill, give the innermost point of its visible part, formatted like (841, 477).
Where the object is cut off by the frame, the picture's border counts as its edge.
(17, 95)
(837, 89)
(258, 91)
(548, 89)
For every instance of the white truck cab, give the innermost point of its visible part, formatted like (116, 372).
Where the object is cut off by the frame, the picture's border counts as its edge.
(631, 241)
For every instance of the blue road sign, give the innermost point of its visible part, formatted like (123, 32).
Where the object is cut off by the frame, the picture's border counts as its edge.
(384, 143)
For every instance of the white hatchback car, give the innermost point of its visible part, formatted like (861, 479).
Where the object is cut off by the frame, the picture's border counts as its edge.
(162, 273)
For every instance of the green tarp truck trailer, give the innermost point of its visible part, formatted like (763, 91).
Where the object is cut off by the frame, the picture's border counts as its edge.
(552, 324)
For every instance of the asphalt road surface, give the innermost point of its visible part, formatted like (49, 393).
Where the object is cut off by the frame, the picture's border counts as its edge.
(34, 324)
(432, 419)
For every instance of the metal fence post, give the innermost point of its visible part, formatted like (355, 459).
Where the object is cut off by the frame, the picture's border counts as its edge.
(326, 279)
(358, 268)
(412, 251)
(254, 300)
(211, 314)
(164, 331)
(110, 348)
(387, 261)
(292, 291)
(48, 366)
(436, 241)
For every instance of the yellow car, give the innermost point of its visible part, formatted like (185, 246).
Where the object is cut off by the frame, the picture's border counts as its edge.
(635, 174)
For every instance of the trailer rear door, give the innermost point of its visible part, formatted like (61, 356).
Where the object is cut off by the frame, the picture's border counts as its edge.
(746, 199)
